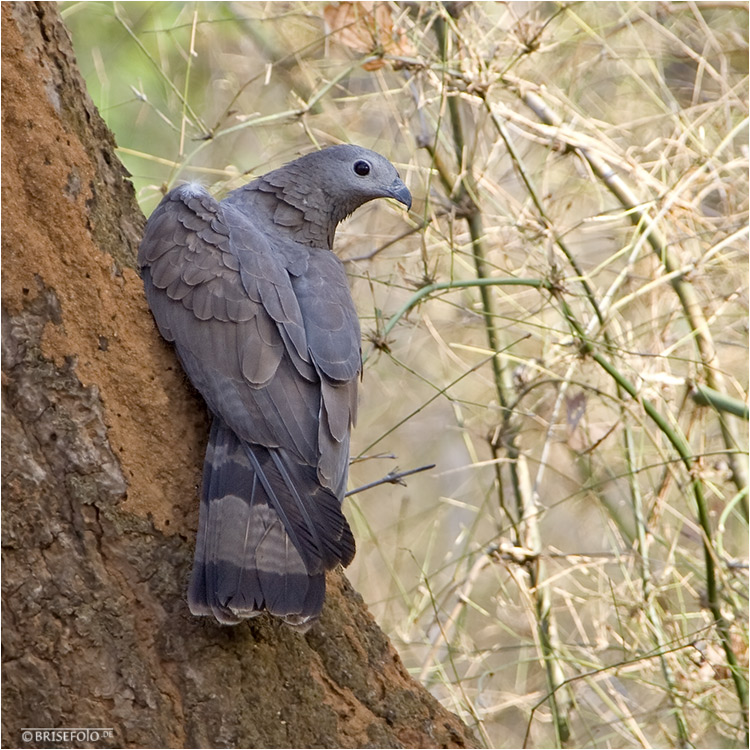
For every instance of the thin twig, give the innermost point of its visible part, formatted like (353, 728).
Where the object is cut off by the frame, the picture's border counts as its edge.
(392, 477)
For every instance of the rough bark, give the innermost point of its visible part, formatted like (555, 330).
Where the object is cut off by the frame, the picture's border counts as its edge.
(102, 448)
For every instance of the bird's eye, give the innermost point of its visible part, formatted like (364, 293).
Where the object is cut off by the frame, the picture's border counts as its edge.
(361, 167)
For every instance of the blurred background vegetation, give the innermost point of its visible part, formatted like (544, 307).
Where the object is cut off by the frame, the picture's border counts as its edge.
(559, 324)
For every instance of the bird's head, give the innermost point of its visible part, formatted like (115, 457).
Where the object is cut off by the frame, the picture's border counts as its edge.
(308, 197)
(352, 175)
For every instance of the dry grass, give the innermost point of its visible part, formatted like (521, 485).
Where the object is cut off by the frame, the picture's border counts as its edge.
(574, 571)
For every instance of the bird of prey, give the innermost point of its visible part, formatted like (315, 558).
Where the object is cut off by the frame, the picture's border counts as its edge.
(260, 313)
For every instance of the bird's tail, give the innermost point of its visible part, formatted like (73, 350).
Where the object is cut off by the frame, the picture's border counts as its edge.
(267, 533)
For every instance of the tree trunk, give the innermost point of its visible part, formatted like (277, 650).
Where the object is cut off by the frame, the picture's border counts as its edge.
(103, 443)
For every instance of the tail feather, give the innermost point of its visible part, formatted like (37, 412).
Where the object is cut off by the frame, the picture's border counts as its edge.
(267, 533)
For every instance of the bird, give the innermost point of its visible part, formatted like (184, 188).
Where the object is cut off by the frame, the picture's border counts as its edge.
(258, 308)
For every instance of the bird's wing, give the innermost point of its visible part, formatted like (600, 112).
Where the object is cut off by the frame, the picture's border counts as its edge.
(240, 307)
(333, 336)
(220, 293)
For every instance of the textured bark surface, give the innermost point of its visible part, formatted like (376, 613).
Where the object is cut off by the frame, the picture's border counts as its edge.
(102, 447)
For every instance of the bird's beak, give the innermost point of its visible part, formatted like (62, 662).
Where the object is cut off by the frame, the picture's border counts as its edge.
(400, 192)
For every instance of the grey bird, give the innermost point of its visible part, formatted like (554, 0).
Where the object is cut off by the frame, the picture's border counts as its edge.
(260, 313)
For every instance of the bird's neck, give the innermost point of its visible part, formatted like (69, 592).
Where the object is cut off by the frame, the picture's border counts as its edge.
(302, 212)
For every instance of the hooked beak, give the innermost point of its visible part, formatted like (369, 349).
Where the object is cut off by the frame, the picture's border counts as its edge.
(400, 192)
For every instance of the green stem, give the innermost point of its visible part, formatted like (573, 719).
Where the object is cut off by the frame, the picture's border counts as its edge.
(465, 197)
(685, 454)
(639, 216)
(441, 286)
(705, 396)
(652, 614)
